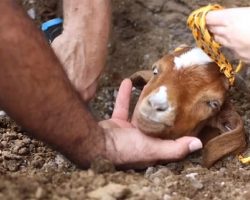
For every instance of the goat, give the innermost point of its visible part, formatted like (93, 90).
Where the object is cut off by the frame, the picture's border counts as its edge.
(185, 94)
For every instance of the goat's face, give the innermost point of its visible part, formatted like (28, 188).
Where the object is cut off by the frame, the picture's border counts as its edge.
(185, 90)
(185, 95)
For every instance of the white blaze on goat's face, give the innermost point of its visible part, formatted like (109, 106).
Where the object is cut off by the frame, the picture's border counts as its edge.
(157, 108)
(158, 100)
(195, 56)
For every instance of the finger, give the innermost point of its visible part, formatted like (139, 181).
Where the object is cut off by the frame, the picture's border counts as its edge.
(217, 30)
(216, 18)
(222, 40)
(177, 149)
(122, 101)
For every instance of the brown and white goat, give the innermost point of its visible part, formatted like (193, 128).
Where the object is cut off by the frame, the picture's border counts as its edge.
(186, 95)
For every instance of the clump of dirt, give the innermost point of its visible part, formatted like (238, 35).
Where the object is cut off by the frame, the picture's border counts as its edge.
(143, 30)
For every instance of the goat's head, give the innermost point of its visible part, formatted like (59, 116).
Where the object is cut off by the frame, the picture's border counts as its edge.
(184, 92)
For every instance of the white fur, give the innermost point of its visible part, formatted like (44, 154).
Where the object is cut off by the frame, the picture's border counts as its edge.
(159, 99)
(195, 56)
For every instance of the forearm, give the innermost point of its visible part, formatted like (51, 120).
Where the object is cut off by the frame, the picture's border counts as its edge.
(88, 23)
(35, 91)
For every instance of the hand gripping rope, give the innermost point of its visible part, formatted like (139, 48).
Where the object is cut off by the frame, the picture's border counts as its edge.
(197, 23)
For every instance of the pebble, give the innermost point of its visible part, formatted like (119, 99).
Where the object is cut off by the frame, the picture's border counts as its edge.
(167, 197)
(194, 182)
(37, 162)
(39, 193)
(23, 151)
(59, 160)
(112, 191)
(4, 143)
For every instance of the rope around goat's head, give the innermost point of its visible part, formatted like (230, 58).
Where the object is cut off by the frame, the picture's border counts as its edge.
(197, 23)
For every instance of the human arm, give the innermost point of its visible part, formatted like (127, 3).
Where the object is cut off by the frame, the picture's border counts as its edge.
(231, 28)
(35, 92)
(82, 47)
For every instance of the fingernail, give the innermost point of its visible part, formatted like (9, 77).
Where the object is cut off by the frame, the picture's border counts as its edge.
(195, 145)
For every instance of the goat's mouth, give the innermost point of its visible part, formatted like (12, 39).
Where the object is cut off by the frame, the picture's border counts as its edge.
(149, 126)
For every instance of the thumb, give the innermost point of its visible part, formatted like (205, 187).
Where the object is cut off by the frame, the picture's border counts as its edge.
(178, 149)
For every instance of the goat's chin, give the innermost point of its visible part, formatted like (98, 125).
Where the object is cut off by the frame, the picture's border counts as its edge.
(149, 127)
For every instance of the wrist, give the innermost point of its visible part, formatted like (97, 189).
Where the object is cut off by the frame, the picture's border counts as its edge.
(84, 149)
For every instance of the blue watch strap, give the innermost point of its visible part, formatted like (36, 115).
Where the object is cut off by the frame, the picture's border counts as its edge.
(46, 25)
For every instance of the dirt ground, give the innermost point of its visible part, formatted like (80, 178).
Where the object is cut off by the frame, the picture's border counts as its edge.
(143, 30)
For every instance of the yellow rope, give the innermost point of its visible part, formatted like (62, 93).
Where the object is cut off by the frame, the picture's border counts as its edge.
(197, 23)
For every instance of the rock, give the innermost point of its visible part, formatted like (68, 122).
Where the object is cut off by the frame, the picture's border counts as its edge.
(12, 165)
(112, 191)
(37, 162)
(60, 161)
(161, 173)
(9, 156)
(23, 151)
(4, 144)
(194, 182)
(167, 197)
(39, 193)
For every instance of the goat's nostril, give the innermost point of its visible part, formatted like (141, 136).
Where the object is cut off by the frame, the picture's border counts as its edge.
(158, 100)
(161, 109)
(159, 106)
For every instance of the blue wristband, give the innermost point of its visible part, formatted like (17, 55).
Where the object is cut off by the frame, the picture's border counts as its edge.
(46, 25)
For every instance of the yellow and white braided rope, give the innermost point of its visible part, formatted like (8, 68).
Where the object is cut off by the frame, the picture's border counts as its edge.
(197, 23)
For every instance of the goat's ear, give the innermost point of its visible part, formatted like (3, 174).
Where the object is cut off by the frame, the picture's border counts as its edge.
(223, 135)
(140, 78)
(180, 47)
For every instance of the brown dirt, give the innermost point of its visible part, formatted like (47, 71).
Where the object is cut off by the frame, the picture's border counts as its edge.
(143, 31)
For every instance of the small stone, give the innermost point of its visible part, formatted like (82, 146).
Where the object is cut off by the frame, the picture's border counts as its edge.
(194, 182)
(23, 151)
(4, 143)
(37, 162)
(12, 165)
(8, 155)
(112, 191)
(59, 160)
(39, 193)
(167, 197)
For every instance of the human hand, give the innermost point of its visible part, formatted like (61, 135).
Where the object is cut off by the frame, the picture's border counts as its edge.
(128, 147)
(71, 52)
(82, 47)
(231, 28)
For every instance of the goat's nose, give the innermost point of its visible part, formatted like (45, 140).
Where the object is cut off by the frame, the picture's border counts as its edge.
(158, 100)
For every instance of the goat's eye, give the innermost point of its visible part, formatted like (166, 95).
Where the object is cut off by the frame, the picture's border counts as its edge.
(155, 70)
(214, 104)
